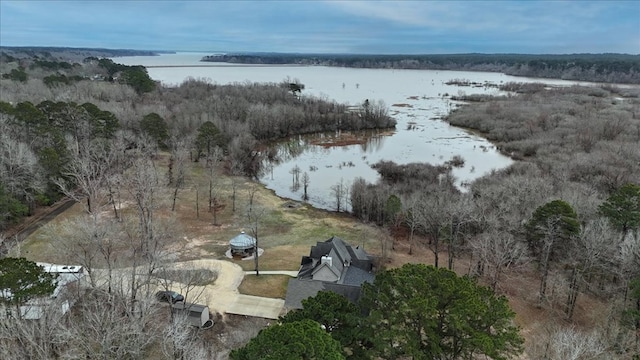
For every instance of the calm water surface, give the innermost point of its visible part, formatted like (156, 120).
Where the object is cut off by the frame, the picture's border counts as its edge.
(416, 99)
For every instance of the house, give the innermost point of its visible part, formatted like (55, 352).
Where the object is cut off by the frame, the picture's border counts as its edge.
(332, 265)
(60, 301)
(197, 315)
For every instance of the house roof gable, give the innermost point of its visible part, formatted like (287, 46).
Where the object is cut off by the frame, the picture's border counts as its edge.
(331, 268)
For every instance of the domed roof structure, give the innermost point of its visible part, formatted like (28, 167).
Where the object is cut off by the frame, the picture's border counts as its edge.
(242, 242)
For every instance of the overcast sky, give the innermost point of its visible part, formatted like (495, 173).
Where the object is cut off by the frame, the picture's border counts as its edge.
(382, 27)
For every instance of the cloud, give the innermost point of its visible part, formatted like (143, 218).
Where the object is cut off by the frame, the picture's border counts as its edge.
(327, 26)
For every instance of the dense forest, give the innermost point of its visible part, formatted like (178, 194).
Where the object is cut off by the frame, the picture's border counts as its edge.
(100, 100)
(565, 217)
(609, 68)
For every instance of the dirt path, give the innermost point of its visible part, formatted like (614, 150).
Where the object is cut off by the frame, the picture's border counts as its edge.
(221, 297)
(223, 293)
(21, 231)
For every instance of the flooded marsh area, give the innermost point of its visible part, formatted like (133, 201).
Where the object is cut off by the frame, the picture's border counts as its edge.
(416, 99)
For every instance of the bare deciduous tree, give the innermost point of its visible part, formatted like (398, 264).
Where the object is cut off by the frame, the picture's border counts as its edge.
(104, 328)
(498, 251)
(592, 251)
(569, 343)
(305, 184)
(180, 161)
(412, 220)
(88, 168)
(20, 172)
(340, 194)
(43, 338)
(434, 218)
(255, 216)
(89, 240)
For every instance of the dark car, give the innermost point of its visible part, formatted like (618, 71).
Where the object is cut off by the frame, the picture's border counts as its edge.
(169, 296)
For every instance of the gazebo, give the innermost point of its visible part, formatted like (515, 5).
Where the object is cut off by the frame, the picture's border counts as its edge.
(242, 245)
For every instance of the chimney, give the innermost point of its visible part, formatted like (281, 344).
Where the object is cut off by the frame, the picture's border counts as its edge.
(326, 259)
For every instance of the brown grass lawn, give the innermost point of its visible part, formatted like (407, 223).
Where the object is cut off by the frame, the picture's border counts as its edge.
(285, 233)
(273, 286)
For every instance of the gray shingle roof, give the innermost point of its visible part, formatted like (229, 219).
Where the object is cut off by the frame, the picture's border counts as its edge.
(351, 276)
(298, 290)
(356, 276)
(242, 241)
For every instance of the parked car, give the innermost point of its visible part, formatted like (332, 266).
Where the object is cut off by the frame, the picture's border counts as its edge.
(169, 296)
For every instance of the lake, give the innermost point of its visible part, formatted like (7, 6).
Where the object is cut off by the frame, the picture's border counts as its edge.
(417, 99)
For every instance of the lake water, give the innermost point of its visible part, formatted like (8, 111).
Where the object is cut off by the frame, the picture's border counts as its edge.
(416, 99)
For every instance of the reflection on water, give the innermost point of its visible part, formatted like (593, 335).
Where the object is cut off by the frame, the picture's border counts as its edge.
(417, 99)
(287, 150)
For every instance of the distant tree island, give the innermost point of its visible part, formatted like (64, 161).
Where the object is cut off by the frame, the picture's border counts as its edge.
(608, 68)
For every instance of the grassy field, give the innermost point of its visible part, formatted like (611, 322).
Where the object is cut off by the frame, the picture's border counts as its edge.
(285, 232)
(273, 286)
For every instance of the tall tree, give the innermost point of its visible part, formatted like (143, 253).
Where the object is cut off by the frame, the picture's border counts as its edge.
(138, 78)
(155, 127)
(214, 184)
(305, 184)
(104, 124)
(632, 314)
(179, 169)
(434, 219)
(337, 315)
(303, 339)
(88, 171)
(411, 217)
(423, 312)
(499, 252)
(393, 211)
(340, 194)
(550, 228)
(622, 209)
(590, 257)
(208, 138)
(255, 217)
(20, 174)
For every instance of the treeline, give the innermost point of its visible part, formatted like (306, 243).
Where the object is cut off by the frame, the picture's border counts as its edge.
(609, 68)
(54, 72)
(40, 140)
(37, 143)
(53, 53)
(567, 211)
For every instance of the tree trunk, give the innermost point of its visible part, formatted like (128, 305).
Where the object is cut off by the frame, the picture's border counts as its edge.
(544, 267)
(112, 200)
(255, 255)
(175, 195)
(451, 254)
(496, 277)
(215, 213)
(411, 241)
(436, 250)
(197, 204)
(210, 194)
(233, 195)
